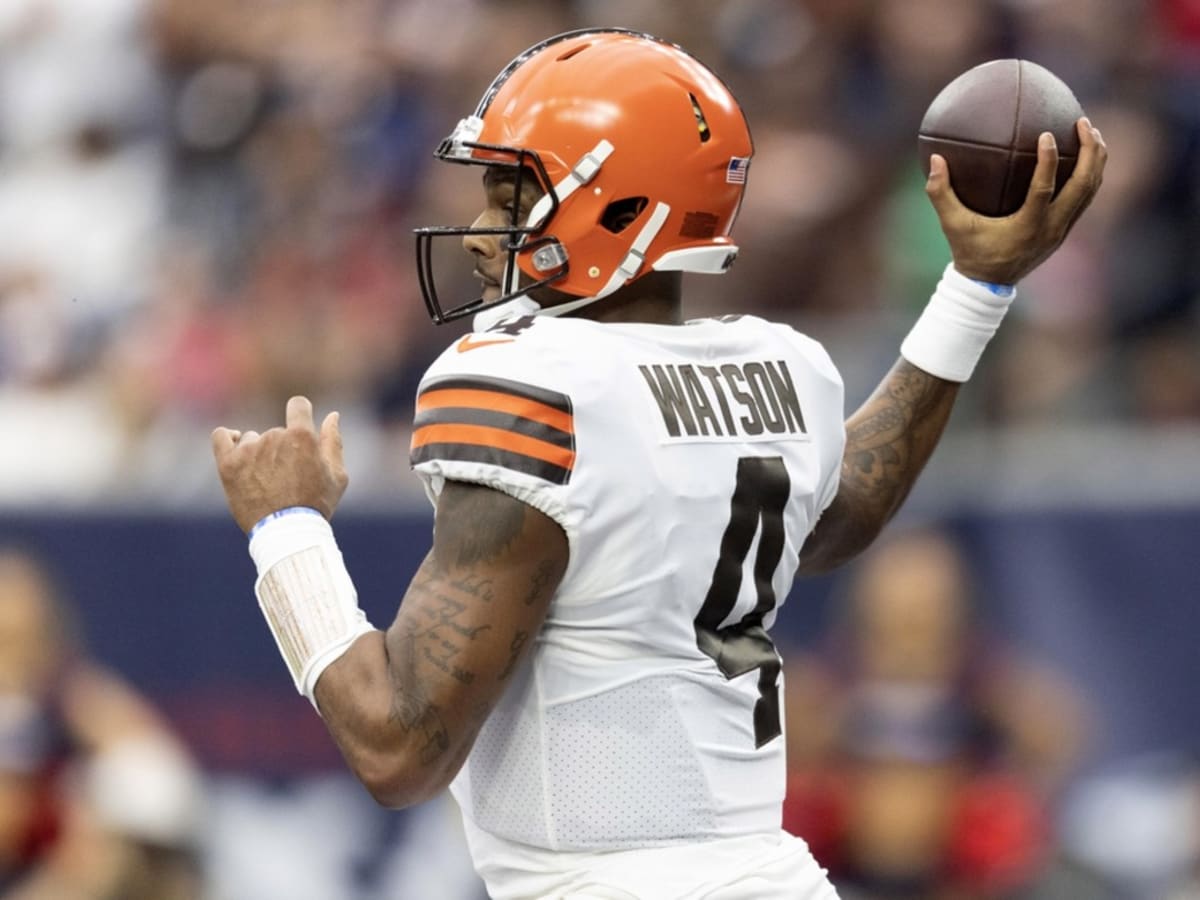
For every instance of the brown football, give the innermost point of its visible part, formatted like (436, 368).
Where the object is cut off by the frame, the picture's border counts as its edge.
(986, 123)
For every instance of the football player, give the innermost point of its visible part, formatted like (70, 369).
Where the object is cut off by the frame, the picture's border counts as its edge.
(623, 496)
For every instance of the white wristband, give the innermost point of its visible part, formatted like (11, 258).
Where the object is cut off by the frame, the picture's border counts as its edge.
(305, 593)
(960, 319)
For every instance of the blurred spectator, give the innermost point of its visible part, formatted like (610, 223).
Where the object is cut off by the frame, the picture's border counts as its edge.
(1138, 822)
(81, 203)
(80, 176)
(222, 215)
(924, 757)
(97, 799)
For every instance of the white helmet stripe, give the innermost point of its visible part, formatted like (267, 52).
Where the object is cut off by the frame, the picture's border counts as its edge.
(706, 260)
(581, 173)
(636, 256)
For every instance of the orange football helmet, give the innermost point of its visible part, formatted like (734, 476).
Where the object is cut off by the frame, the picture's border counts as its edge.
(603, 117)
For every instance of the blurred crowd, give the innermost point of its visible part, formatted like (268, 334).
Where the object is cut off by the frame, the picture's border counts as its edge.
(98, 799)
(932, 757)
(208, 206)
(101, 800)
(927, 756)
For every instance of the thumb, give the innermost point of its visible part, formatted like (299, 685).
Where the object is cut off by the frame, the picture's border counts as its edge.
(331, 440)
(937, 188)
(224, 440)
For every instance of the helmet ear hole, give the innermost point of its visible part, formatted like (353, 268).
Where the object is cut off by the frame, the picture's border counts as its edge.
(620, 214)
(701, 121)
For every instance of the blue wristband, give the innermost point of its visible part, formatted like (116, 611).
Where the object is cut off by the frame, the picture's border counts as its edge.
(1000, 290)
(279, 514)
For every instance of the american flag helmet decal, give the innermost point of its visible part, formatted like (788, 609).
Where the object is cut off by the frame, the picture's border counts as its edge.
(735, 172)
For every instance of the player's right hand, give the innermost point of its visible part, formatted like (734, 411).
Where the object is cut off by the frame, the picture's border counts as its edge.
(291, 466)
(1003, 250)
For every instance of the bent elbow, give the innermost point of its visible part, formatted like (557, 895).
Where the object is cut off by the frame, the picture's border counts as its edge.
(388, 779)
(396, 782)
(391, 792)
(391, 795)
(849, 526)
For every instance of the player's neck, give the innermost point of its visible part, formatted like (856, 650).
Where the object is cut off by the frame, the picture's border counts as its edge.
(656, 299)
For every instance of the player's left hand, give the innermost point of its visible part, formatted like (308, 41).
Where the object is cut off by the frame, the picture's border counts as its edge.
(291, 466)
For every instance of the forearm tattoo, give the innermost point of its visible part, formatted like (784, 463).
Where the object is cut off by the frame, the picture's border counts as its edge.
(888, 441)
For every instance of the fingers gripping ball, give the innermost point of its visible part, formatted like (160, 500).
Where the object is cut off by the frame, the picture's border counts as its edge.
(986, 124)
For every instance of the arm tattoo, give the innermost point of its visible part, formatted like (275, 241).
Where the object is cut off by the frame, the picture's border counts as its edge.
(514, 653)
(436, 640)
(888, 441)
(412, 708)
(541, 578)
(460, 511)
(441, 615)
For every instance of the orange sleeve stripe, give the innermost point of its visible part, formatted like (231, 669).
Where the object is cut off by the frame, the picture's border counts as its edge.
(484, 436)
(500, 402)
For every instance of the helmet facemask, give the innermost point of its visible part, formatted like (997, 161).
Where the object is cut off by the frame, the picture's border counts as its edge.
(517, 237)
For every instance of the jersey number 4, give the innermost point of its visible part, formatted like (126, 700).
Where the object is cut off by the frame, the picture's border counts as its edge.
(760, 495)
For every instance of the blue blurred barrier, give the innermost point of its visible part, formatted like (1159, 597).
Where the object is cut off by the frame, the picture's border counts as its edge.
(1111, 597)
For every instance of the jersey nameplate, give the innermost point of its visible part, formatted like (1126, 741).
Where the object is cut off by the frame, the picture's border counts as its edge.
(753, 400)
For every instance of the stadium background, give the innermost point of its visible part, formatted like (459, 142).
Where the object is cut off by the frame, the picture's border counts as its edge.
(205, 208)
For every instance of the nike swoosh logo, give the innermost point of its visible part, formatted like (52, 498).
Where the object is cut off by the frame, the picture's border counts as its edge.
(467, 344)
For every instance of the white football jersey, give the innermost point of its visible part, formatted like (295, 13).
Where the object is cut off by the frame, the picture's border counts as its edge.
(686, 465)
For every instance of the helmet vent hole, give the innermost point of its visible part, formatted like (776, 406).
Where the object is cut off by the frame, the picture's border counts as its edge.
(701, 122)
(574, 51)
(620, 214)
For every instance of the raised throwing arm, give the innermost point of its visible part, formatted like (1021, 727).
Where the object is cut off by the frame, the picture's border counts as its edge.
(891, 437)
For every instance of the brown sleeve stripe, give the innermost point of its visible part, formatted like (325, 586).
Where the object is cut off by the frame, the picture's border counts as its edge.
(491, 418)
(441, 398)
(499, 438)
